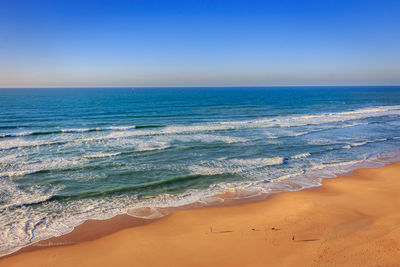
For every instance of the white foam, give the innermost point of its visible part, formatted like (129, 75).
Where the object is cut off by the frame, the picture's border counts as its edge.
(148, 212)
(21, 168)
(152, 145)
(101, 155)
(26, 226)
(355, 144)
(299, 134)
(119, 140)
(257, 162)
(359, 143)
(223, 165)
(302, 155)
(9, 158)
(12, 195)
(16, 143)
(78, 130)
(354, 124)
(118, 132)
(282, 121)
(208, 138)
(71, 130)
(336, 164)
(15, 134)
(120, 128)
(321, 118)
(204, 170)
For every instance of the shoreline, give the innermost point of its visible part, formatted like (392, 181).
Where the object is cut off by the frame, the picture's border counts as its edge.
(102, 227)
(333, 213)
(92, 229)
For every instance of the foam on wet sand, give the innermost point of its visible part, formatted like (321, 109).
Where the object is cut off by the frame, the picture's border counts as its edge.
(346, 222)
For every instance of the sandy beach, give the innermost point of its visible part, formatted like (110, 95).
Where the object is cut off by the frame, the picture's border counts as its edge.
(349, 221)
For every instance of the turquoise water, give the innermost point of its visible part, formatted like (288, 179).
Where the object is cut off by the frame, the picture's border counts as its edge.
(68, 155)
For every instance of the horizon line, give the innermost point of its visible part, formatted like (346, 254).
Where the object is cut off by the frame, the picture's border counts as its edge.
(201, 86)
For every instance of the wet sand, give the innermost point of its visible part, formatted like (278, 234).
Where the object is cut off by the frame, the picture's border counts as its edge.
(349, 221)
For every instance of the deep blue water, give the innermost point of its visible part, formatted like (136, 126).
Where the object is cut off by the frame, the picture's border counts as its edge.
(67, 155)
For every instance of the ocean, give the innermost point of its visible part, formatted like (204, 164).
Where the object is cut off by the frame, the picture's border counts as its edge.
(68, 155)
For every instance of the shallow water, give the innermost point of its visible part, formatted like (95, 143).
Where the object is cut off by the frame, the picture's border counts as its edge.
(67, 155)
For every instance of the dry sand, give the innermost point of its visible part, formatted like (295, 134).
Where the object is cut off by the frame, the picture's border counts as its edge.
(349, 221)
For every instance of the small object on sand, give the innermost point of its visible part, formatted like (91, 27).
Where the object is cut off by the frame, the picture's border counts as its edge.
(211, 229)
(293, 238)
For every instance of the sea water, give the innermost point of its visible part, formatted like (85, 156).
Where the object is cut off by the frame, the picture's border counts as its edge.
(68, 155)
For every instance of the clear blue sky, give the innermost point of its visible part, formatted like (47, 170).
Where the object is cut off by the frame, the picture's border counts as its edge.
(198, 43)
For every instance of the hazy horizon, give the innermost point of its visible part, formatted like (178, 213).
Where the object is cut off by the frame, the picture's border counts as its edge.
(76, 44)
(206, 86)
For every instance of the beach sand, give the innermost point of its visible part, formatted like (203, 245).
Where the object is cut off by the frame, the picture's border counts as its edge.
(349, 221)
